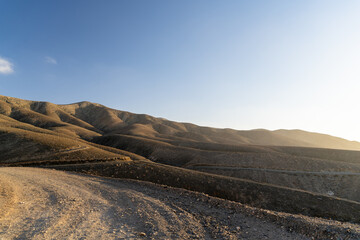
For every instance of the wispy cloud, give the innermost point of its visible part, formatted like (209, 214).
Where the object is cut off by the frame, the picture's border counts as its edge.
(6, 67)
(50, 60)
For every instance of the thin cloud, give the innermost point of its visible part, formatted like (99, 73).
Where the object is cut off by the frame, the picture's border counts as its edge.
(6, 67)
(50, 60)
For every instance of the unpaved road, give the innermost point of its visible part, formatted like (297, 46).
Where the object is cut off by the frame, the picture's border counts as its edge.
(49, 204)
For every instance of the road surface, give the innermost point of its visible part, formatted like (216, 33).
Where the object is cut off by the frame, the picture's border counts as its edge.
(49, 204)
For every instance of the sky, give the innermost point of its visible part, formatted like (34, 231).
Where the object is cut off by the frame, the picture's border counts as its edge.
(228, 64)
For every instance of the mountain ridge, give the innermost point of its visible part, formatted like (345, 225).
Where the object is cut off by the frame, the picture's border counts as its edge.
(89, 120)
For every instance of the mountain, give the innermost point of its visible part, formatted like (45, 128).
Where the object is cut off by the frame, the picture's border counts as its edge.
(32, 131)
(88, 131)
(300, 167)
(86, 120)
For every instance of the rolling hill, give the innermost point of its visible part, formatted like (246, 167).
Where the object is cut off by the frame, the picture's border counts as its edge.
(254, 167)
(87, 120)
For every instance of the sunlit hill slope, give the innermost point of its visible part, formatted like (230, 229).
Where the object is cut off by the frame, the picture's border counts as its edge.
(254, 167)
(87, 120)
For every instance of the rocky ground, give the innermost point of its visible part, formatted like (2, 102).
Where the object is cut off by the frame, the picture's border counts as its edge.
(49, 204)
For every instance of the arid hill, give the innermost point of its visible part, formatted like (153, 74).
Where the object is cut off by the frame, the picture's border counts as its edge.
(88, 120)
(313, 174)
(29, 135)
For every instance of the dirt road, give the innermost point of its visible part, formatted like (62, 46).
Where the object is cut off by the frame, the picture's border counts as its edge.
(48, 204)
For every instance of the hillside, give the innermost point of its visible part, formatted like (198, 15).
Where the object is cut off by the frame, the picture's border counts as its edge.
(314, 174)
(88, 120)
(28, 136)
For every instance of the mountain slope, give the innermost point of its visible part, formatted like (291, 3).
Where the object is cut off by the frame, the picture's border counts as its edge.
(30, 136)
(86, 137)
(88, 120)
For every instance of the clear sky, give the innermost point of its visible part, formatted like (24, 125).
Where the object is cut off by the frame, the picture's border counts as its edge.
(235, 64)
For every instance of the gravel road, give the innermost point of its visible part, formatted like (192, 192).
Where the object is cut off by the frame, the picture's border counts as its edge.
(49, 204)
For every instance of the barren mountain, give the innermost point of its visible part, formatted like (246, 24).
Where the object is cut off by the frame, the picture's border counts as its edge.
(290, 171)
(88, 120)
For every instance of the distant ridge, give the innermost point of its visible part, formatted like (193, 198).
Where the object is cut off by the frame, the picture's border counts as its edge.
(87, 120)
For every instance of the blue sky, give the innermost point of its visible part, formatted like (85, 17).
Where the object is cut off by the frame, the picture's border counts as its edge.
(236, 64)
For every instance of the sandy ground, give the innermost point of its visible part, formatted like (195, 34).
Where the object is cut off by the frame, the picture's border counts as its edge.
(49, 204)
